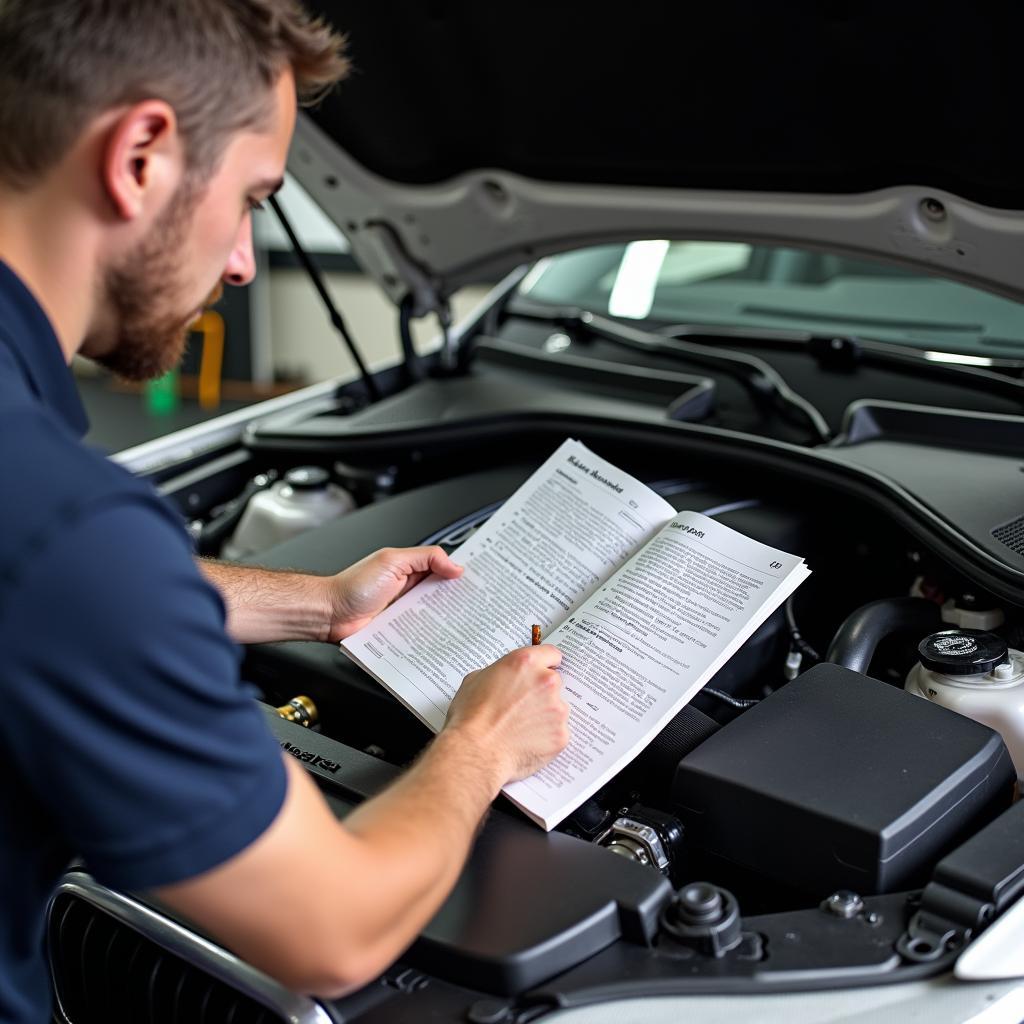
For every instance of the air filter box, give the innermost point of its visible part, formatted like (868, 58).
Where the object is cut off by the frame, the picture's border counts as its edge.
(839, 781)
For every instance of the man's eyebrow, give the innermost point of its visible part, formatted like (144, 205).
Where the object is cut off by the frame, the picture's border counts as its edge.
(269, 185)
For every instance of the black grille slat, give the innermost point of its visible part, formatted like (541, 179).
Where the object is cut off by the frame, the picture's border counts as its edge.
(194, 993)
(204, 1009)
(220, 1005)
(88, 978)
(69, 942)
(108, 962)
(176, 998)
(137, 987)
(135, 957)
(152, 1001)
(107, 973)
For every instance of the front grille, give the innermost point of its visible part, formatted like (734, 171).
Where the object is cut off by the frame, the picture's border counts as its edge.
(105, 972)
(1011, 534)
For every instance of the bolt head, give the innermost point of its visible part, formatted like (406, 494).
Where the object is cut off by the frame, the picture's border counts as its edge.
(844, 904)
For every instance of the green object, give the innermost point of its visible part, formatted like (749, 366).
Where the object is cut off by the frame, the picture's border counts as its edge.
(163, 395)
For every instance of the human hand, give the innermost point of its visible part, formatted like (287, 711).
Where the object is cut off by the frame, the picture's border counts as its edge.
(362, 591)
(514, 712)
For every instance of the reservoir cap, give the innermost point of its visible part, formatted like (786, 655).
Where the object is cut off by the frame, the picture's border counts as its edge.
(962, 652)
(307, 478)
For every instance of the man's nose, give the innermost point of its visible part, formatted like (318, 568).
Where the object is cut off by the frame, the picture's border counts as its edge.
(241, 266)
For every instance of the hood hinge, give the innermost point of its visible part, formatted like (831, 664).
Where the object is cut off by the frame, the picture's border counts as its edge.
(423, 293)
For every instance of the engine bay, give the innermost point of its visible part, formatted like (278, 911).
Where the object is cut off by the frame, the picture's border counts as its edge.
(787, 824)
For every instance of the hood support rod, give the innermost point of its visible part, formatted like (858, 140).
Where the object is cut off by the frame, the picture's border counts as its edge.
(313, 273)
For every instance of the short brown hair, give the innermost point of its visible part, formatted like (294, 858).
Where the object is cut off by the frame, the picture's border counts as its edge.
(64, 62)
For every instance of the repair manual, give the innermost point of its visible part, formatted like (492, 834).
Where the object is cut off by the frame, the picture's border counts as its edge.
(646, 605)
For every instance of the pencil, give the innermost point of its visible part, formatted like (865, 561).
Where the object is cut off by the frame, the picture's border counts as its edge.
(535, 630)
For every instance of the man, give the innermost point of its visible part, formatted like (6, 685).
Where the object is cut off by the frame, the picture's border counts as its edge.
(136, 137)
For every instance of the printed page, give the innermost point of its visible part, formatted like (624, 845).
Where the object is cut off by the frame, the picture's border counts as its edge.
(645, 642)
(548, 548)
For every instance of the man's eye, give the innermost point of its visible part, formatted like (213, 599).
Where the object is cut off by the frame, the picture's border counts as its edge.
(256, 205)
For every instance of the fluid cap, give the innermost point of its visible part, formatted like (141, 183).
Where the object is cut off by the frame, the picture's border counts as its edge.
(699, 903)
(705, 917)
(962, 652)
(307, 478)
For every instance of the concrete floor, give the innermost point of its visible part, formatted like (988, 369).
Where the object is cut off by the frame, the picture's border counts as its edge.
(119, 419)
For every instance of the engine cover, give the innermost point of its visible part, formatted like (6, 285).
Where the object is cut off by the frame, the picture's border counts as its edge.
(840, 781)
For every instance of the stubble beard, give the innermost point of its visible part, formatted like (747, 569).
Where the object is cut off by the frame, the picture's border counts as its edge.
(141, 291)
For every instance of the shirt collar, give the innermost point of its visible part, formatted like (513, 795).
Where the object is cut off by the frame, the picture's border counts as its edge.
(28, 333)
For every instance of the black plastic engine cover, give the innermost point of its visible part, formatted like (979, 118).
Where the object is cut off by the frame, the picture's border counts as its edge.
(528, 905)
(840, 781)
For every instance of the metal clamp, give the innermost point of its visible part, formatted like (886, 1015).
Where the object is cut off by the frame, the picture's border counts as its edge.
(636, 840)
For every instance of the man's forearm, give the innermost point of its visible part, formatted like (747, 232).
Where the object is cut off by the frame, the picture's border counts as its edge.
(418, 833)
(324, 906)
(265, 606)
(337, 901)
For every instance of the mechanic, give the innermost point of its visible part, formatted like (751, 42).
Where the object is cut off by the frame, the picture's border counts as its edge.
(137, 138)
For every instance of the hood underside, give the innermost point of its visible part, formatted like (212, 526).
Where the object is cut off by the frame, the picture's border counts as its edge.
(469, 140)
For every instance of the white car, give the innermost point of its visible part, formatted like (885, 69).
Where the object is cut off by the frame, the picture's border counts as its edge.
(773, 267)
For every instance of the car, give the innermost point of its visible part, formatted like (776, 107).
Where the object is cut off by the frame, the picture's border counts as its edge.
(772, 264)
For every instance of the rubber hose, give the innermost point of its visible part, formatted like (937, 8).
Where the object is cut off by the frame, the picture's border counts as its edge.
(855, 641)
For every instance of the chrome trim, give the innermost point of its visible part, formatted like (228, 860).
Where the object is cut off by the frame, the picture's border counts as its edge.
(201, 953)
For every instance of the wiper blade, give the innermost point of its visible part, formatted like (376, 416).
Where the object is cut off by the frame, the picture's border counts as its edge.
(850, 349)
(762, 374)
(1000, 376)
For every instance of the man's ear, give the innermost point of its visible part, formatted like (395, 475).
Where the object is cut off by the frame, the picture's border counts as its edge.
(143, 159)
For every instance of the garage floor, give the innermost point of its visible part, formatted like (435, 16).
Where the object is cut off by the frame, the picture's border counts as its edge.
(120, 419)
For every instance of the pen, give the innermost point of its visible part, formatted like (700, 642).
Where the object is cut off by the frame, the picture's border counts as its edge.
(535, 631)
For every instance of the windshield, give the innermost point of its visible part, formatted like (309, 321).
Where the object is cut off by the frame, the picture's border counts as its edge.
(735, 284)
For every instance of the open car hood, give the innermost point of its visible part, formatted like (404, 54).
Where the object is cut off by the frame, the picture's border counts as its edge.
(468, 141)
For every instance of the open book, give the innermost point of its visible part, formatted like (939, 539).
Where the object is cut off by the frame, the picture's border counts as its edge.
(645, 603)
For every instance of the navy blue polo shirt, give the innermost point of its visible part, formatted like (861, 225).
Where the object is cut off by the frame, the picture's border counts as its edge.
(126, 737)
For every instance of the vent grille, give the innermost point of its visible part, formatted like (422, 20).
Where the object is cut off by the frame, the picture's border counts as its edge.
(1011, 534)
(105, 972)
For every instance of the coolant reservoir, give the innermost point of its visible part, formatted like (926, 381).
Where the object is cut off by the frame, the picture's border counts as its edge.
(974, 673)
(303, 499)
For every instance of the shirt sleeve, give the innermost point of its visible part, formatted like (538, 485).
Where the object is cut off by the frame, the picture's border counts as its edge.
(134, 733)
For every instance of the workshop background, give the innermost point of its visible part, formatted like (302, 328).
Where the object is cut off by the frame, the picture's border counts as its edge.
(263, 340)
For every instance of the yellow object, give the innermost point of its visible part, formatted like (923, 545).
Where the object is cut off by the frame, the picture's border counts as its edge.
(300, 710)
(211, 326)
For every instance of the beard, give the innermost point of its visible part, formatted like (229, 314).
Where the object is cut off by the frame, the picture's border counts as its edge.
(140, 290)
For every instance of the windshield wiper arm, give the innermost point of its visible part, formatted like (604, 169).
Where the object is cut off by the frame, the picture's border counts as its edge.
(762, 374)
(996, 374)
(762, 379)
